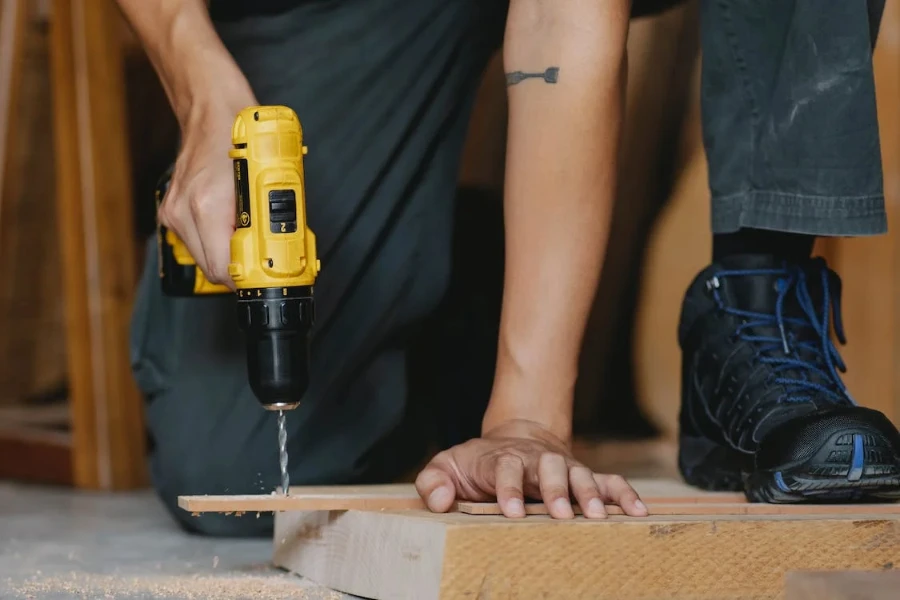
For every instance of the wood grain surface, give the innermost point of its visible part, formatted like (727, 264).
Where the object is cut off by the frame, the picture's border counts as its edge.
(374, 497)
(843, 585)
(95, 226)
(417, 555)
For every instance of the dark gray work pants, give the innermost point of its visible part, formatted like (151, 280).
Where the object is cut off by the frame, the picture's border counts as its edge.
(384, 89)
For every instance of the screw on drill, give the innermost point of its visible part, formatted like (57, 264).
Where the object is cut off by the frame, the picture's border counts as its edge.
(282, 449)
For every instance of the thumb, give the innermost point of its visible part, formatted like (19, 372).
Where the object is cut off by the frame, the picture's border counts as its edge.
(436, 488)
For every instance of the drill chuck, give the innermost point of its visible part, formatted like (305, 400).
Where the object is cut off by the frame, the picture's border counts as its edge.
(276, 324)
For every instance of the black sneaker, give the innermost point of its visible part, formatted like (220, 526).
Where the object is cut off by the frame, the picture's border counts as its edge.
(764, 409)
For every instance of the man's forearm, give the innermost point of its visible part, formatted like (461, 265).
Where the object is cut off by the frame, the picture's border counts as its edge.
(565, 65)
(190, 59)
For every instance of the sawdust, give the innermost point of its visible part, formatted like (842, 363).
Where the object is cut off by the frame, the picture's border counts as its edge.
(172, 587)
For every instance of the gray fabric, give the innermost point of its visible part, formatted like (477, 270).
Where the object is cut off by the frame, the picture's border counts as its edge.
(383, 89)
(789, 119)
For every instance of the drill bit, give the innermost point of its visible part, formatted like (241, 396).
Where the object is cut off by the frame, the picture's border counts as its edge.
(282, 449)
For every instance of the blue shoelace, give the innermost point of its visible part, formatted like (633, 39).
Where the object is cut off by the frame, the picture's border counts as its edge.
(806, 357)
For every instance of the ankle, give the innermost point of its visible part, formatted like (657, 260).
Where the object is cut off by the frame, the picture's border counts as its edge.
(782, 245)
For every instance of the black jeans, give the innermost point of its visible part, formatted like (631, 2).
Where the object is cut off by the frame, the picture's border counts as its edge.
(383, 89)
(789, 120)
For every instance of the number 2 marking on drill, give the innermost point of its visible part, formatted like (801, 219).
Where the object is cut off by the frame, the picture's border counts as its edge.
(283, 227)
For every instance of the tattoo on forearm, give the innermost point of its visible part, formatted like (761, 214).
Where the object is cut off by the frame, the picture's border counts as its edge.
(551, 75)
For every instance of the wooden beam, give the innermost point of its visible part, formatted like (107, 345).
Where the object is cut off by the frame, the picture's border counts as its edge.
(94, 192)
(419, 555)
(13, 22)
(842, 585)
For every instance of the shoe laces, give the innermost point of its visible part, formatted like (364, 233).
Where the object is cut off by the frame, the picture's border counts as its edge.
(795, 362)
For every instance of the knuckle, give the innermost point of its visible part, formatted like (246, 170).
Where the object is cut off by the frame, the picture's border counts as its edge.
(197, 202)
(585, 485)
(550, 457)
(162, 215)
(441, 457)
(175, 217)
(509, 491)
(617, 480)
(555, 491)
(579, 470)
(217, 274)
(509, 461)
(427, 478)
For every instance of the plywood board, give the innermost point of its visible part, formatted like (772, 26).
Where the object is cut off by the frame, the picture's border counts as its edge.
(404, 496)
(701, 506)
(418, 555)
(843, 585)
(303, 498)
(662, 497)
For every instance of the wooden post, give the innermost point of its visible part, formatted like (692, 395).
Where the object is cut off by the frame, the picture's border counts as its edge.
(13, 19)
(94, 203)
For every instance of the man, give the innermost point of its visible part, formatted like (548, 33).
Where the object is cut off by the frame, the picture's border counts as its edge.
(383, 89)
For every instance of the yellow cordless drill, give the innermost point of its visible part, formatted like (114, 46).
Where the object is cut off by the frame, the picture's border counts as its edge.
(273, 258)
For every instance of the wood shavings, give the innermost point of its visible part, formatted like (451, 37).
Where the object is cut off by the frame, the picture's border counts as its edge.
(171, 587)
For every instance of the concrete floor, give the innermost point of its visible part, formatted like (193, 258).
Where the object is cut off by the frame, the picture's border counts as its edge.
(61, 544)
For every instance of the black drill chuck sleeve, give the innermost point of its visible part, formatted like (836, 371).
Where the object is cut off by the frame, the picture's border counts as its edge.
(276, 323)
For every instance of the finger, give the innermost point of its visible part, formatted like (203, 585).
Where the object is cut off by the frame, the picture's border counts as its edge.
(180, 222)
(553, 474)
(215, 226)
(510, 471)
(436, 488)
(614, 489)
(586, 492)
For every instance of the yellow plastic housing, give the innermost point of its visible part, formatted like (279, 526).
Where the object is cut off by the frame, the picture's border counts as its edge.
(268, 155)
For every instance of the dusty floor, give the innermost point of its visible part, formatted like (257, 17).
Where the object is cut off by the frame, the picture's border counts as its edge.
(61, 544)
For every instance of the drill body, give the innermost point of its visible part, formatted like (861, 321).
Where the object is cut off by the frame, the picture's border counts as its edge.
(273, 254)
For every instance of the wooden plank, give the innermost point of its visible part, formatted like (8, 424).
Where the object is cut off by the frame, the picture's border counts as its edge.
(96, 230)
(51, 416)
(423, 556)
(36, 456)
(843, 585)
(700, 506)
(404, 496)
(374, 497)
(662, 498)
